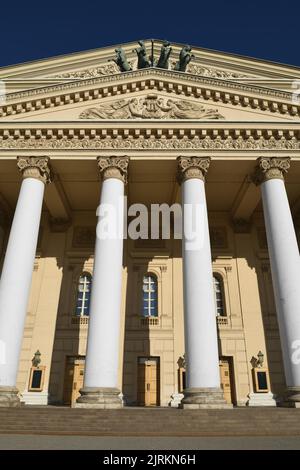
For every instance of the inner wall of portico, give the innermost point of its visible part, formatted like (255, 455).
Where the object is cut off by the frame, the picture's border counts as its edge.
(240, 260)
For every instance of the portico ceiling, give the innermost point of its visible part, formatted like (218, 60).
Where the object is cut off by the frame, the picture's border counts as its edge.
(149, 182)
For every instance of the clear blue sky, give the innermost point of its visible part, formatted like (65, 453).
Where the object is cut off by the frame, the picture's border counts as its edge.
(36, 29)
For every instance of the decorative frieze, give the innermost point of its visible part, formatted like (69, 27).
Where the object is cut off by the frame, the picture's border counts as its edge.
(270, 168)
(35, 167)
(105, 69)
(113, 167)
(111, 68)
(192, 167)
(151, 106)
(198, 69)
(101, 139)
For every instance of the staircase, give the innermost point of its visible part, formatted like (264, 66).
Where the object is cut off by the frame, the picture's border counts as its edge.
(150, 421)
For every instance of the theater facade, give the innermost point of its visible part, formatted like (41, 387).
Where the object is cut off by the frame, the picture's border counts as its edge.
(95, 322)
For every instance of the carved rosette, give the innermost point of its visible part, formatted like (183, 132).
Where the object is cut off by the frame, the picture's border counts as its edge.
(270, 168)
(192, 167)
(35, 167)
(113, 167)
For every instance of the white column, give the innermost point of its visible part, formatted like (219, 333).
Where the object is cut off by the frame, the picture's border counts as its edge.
(17, 272)
(201, 342)
(100, 388)
(285, 267)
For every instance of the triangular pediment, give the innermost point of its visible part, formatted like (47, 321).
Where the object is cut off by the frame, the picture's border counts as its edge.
(150, 94)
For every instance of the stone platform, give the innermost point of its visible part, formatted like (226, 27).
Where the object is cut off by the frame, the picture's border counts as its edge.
(150, 421)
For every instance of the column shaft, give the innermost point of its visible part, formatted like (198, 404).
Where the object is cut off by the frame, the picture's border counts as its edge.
(285, 268)
(102, 358)
(201, 342)
(16, 280)
(199, 304)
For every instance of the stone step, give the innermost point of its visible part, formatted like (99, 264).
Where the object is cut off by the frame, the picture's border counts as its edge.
(156, 421)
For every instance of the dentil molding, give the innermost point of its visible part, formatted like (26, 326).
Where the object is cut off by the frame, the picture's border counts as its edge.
(212, 89)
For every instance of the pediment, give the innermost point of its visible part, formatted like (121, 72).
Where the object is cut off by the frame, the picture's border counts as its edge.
(150, 94)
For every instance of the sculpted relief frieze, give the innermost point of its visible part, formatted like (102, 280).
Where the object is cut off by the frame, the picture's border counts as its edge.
(151, 107)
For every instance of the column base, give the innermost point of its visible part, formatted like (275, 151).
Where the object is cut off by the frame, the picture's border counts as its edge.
(99, 397)
(204, 398)
(9, 397)
(261, 399)
(291, 399)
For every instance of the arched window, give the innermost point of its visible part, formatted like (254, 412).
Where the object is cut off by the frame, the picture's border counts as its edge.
(84, 295)
(150, 296)
(219, 296)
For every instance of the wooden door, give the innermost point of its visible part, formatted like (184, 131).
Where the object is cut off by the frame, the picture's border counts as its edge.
(73, 381)
(225, 379)
(148, 382)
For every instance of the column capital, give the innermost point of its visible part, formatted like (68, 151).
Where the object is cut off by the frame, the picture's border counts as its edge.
(113, 167)
(268, 168)
(35, 167)
(192, 167)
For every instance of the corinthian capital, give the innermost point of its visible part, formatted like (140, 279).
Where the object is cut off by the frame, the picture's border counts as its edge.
(35, 167)
(270, 168)
(113, 167)
(192, 167)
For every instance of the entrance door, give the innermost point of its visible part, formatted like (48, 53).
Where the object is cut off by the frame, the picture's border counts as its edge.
(148, 381)
(73, 380)
(226, 378)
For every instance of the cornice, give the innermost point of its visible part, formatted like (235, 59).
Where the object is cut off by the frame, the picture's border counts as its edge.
(155, 138)
(184, 84)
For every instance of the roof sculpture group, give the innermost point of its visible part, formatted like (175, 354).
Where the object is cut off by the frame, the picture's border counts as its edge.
(144, 61)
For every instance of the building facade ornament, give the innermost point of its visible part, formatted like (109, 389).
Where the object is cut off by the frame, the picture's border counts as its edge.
(151, 106)
(113, 167)
(35, 167)
(198, 69)
(111, 68)
(270, 168)
(106, 69)
(192, 167)
(142, 142)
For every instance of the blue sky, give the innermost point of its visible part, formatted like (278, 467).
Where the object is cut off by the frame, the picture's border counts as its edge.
(262, 29)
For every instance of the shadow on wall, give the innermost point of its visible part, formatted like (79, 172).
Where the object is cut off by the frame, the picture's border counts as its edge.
(70, 335)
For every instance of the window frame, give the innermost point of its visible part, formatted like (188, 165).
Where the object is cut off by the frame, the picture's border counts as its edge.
(150, 299)
(220, 280)
(86, 298)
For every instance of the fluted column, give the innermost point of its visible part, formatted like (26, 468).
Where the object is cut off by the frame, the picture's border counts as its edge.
(201, 343)
(100, 388)
(285, 266)
(17, 272)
